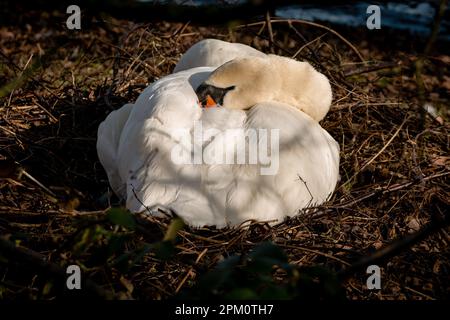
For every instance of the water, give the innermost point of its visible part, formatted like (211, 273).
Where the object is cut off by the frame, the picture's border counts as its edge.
(415, 17)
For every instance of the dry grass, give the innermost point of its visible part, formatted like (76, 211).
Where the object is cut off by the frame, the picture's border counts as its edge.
(394, 168)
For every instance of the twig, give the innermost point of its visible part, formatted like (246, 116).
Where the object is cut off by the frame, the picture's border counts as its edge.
(376, 156)
(180, 31)
(29, 176)
(412, 290)
(389, 189)
(306, 185)
(317, 25)
(306, 45)
(189, 273)
(320, 253)
(269, 29)
(385, 146)
(368, 69)
(180, 285)
(312, 52)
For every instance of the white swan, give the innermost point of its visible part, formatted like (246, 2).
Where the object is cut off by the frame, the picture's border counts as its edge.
(136, 144)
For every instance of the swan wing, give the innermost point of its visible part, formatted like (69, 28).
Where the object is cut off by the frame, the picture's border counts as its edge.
(108, 137)
(304, 173)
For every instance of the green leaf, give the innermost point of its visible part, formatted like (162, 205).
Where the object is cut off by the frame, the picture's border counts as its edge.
(116, 244)
(129, 259)
(164, 250)
(319, 283)
(219, 275)
(265, 256)
(242, 294)
(122, 218)
(276, 292)
(175, 225)
(47, 288)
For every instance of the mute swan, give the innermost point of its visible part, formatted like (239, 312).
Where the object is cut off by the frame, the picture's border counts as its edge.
(136, 143)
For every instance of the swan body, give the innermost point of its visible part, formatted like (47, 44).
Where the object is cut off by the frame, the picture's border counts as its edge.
(136, 147)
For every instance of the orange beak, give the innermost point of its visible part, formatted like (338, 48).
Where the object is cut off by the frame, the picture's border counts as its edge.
(210, 103)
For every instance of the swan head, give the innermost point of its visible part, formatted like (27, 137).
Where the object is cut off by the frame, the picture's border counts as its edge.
(244, 82)
(238, 84)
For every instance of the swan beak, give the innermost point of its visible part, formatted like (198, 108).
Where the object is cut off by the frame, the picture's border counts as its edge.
(210, 103)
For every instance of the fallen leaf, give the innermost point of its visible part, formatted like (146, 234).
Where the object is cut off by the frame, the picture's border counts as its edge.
(127, 284)
(437, 267)
(414, 224)
(440, 161)
(377, 244)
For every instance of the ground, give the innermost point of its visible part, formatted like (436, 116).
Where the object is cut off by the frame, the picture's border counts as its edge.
(56, 86)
